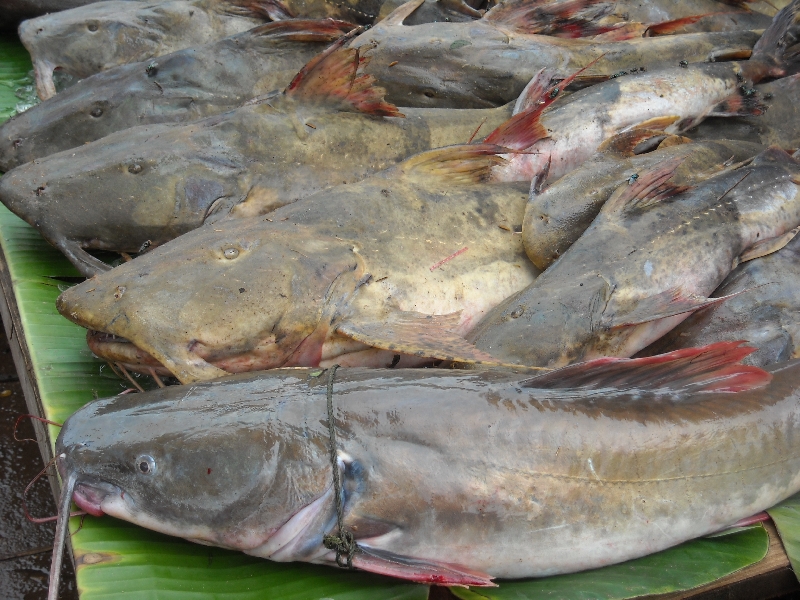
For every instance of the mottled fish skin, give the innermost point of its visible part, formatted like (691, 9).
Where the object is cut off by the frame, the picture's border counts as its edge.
(480, 64)
(15, 11)
(184, 86)
(766, 314)
(263, 293)
(605, 475)
(89, 39)
(559, 214)
(141, 187)
(672, 253)
(779, 126)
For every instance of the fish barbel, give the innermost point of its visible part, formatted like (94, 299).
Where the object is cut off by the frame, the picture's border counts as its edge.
(449, 477)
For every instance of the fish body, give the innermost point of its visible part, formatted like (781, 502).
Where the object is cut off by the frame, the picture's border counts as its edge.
(608, 473)
(559, 214)
(645, 263)
(183, 86)
(484, 63)
(765, 313)
(15, 11)
(372, 274)
(89, 39)
(135, 189)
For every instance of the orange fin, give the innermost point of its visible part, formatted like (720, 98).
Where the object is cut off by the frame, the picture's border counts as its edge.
(635, 141)
(647, 189)
(744, 102)
(673, 26)
(303, 30)
(421, 571)
(660, 123)
(712, 368)
(416, 334)
(332, 78)
(671, 302)
(542, 91)
(269, 10)
(521, 131)
(460, 165)
(570, 18)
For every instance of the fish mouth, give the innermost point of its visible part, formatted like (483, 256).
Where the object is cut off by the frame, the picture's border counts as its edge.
(89, 496)
(118, 350)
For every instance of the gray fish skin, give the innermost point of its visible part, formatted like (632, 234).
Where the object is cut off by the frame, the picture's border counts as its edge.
(319, 282)
(143, 186)
(623, 283)
(180, 87)
(606, 475)
(89, 39)
(766, 314)
(481, 64)
(558, 215)
(779, 126)
(15, 11)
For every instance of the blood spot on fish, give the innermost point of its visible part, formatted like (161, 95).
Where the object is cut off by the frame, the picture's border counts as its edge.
(209, 471)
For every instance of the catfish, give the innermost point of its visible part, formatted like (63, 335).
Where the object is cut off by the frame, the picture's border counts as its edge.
(89, 39)
(651, 257)
(183, 86)
(557, 215)
(15, 11)
(391, 271)
(138, 188)
(447, 477)
(488, 62)
(764, 310)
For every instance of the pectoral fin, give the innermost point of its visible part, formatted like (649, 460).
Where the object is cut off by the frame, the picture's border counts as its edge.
(656, 122)
(421, 571)
(765, 247)
(416, 334)
(646, 189)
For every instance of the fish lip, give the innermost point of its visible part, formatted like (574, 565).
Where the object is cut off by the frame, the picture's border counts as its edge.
(89, 496)
(117, 349)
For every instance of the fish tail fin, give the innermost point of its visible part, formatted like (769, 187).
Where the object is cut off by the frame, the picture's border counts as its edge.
(571, 18)
(332, 78)
(303, 30)
(268, 10)
(777, 53)
(712, 368)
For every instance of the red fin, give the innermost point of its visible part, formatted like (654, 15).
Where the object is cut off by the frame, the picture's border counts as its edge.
(304, 30)
(394, 565)
(743, 103)
(752, 520)
(622, 32)
(332, 78)
(570, 18)
(713, 368)
(647, 189)
(521, 131)
(542, 92)
(273, 10)
(635, 141)
(671, 302)
(670, 27)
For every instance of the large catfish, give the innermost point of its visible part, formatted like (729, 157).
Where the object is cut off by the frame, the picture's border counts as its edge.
(392, 270)
(559, 214)
(488, 62)
(85, 40)
(651, 257)
(141, 187)
(448, 477)
(183, 86)
(765, 311)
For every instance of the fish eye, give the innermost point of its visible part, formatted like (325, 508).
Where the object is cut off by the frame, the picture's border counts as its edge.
(146, 465)
(230, 253)
(96, 112)
(92, 27)
(429, 93)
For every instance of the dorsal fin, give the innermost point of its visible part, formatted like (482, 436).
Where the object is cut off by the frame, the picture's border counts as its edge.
(570, 18)
(646, 189)
(268, 10)
(712, 368)
(461, 165)
(303, 30)
(332, 78)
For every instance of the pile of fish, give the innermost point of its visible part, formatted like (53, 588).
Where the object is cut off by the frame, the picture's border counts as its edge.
(579, 215)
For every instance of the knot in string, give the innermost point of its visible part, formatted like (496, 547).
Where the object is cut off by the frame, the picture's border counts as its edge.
(344, 543)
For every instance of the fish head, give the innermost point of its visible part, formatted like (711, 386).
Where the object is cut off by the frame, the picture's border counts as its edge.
(233, 296)
(89, 39)
(184, 463)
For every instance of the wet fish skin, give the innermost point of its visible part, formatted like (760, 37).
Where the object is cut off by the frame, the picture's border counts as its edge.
(559, 214)
(15, 11)
(766, 314)
(609, 476)
(635, 273)
(480, 64)
(310, 285)
(89, 39)
(184, 86)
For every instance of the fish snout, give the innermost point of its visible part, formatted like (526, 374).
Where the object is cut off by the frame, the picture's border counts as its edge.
(21, 191)
(89, 496)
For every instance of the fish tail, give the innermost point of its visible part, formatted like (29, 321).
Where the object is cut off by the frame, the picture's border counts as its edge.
(777, 53)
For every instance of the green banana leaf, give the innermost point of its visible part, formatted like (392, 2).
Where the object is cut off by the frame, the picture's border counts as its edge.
(114, 557)
(786, 517)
